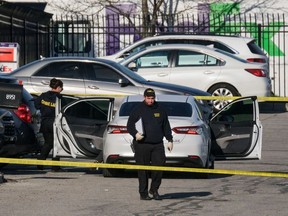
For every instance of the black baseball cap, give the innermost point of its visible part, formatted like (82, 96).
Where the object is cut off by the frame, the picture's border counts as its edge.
(149, 92)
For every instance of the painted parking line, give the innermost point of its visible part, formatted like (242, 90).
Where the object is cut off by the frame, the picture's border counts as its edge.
(138, 167)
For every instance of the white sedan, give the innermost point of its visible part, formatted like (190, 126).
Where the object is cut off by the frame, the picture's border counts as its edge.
(215, 71)
(85, 128)
(233, 133)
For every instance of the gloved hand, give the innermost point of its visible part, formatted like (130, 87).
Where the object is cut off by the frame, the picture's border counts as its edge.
(170, 146)
(139, 136)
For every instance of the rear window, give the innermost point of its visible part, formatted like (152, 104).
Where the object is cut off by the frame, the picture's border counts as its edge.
(254, 48)
(172, 108)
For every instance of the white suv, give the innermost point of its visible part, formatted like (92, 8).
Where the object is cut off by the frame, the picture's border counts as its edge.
(243, 47)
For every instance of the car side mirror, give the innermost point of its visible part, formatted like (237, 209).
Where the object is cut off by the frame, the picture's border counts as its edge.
(132, 66)
(123, 82)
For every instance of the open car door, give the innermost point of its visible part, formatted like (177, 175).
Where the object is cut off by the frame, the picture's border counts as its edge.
(79, 126)
(237, 131)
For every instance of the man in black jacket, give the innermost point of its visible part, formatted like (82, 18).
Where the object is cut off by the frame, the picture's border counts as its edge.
(148, 143)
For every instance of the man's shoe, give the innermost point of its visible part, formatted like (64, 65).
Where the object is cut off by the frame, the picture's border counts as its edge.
(145, 197)
(155, 195)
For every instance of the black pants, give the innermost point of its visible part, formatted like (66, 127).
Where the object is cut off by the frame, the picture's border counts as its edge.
(47, 130)
(149, 154)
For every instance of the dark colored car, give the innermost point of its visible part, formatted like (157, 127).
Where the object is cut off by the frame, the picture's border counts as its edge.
(18, 120)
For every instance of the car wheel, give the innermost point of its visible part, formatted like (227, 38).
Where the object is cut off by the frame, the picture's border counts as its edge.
(222, 90)
(111, 173)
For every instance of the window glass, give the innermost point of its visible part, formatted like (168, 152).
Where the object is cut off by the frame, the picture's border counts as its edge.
(240, 111)
(144, 45)
(101, 72)
(93, 110)
(66, 100)
(172, 108)
(254, 48)
(154, 59)
(44, 71)
(73, 70)
(190, 58)
(223, 47)
(211, 60)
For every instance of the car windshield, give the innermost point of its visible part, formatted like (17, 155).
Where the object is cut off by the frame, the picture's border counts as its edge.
(172, 108)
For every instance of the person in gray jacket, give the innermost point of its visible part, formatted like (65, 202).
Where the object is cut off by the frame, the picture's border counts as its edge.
(148, 143)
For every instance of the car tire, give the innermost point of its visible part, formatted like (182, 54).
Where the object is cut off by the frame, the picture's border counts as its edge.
(111, 173)
(224, 90)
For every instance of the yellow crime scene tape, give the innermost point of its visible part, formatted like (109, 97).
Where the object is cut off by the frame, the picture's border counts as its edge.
(140, 167)
(260, 99)
(267, 99)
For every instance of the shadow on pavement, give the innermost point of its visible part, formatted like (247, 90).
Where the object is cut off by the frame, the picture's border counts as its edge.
(182, 195)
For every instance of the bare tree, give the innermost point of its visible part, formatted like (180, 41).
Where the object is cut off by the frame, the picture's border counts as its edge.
(157, 14)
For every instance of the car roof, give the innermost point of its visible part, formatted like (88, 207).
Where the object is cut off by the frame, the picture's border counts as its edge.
(79, 58)
(182, 46)
(211, 37)
(231, 41)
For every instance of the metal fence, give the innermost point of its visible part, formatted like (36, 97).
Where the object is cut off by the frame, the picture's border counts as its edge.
(97, 35)
(26, 26)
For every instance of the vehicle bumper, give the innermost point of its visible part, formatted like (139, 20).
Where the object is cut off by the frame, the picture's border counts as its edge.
(194, 162)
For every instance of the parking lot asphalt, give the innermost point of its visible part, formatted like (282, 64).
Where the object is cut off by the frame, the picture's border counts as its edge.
(80, 191)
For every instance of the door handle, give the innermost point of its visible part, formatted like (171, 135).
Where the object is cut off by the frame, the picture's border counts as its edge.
(162, 74)
(93, 87)
(209, 72)
(156, 63)
(45, 82)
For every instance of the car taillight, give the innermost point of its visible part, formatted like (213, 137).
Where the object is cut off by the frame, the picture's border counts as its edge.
(257, 72)
(116, 129)
(23, 112)
(260, 60)
(193, 130)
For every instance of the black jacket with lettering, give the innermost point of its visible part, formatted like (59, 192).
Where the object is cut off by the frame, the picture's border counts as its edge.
(46, 104)
(155, 123)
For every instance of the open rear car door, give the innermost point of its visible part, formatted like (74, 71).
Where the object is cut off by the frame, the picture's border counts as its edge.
(79, 125)
(237, 131)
